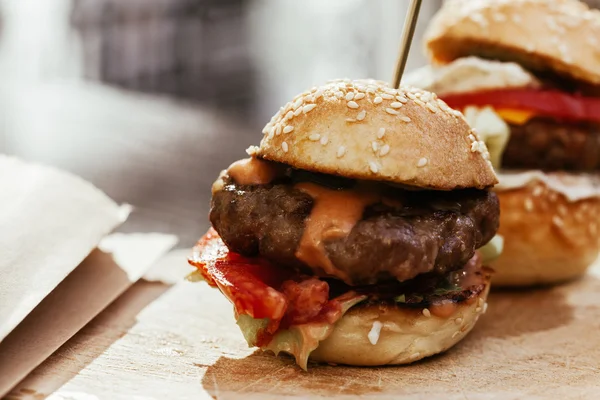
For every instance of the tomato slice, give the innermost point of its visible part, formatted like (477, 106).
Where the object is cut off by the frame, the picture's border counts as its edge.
(551, 103)
(249, 283)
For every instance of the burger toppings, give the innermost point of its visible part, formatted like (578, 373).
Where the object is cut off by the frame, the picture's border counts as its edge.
(286, 311)
(361, 233)
(549, 122)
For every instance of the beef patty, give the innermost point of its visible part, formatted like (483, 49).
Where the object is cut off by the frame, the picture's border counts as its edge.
(414, 233)
(543, 143)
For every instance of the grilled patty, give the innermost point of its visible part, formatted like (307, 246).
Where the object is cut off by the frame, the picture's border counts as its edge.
(417, 232)
(545, 144)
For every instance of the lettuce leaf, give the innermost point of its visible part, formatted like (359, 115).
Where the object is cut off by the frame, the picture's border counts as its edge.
(298, 340)
(492, 249)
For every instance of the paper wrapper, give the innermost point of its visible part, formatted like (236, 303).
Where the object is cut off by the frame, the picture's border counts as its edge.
(50, 221)
(107, 272)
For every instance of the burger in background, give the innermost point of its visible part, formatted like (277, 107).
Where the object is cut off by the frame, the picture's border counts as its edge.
(350, 235)
(526, 74)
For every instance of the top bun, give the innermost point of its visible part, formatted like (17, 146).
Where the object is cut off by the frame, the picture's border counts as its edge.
(365, 129)
(562, 36)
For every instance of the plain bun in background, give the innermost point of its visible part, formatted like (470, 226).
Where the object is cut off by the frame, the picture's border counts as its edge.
(548, 237)
(405, 336)
(558, 35)
(365, 129)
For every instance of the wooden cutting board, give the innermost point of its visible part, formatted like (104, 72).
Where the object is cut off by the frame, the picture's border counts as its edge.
(162, 341)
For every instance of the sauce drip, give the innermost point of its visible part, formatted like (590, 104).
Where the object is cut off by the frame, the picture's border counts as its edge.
(466, 278)
(253, 171)
(334, 214)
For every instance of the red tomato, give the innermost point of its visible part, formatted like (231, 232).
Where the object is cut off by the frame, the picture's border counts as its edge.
(551, 103)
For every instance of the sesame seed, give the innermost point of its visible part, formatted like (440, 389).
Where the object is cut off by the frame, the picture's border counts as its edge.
(352, 104)
(370, 90)
(390, 90)
(396, 104)
(402, 99)
(271, 133)
(419, 102)
(485, 307)
(298, 112)
(349, 96)
(341, 151)
(458, 321)
(297, 103)
(480, 301)
(422, 162)
(455, 334)
(374, 146)
(324, 140)
(562, 210)
(478, 310)
(289, 115)
(350, 120)
(284, 146)
(359, 96)
(528, 204)
(309, 99)
(308, 108)
(288, 129)
(385, 149)
(405, 119)
(318, 94)
(373, 167)
(411, 96)
(380, 133)
(278, 129)
(361, 115)
(431, 107)
(252, 150)
(426, 312)
(391, 111)
(377, 100)
(414, 356)
(387, 96)
(556, 220)
(314, 137)
(537, 191)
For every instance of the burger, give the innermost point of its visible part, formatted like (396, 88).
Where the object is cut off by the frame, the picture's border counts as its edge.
(349, 235)
(526, 75)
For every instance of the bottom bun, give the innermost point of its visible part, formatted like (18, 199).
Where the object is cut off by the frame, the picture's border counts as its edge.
(372, 335)
(549, 223)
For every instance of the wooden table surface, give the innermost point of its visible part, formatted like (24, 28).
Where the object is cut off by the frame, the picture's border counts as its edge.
(179, 340)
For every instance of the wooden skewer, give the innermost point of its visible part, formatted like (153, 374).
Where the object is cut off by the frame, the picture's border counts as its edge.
(407, 35)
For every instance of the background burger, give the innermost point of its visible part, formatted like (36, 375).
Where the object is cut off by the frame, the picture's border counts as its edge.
(526, 74)
(350, 235)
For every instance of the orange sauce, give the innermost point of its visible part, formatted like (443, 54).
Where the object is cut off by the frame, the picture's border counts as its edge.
(253, 171)
(334, 214)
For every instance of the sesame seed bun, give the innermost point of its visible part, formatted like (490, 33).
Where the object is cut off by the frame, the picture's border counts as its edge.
(406, 336)
(550, 229)
(562, 36)
(365, 129)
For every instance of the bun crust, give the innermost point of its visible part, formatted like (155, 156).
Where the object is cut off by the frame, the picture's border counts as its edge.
(558, 35)
(366, 130)
(406, 336)
(547, 237)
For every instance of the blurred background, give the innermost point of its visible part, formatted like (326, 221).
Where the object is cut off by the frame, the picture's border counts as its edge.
(149, 99)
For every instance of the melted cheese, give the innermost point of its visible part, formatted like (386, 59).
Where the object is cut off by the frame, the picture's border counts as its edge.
(514, 116)
(334, 214)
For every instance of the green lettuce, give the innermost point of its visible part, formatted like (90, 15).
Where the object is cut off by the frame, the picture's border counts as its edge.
(297, 340)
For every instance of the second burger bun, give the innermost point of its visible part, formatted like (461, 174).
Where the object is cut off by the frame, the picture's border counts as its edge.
(550, 229)
(364, 129)
(562, 36)
(405, 336)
